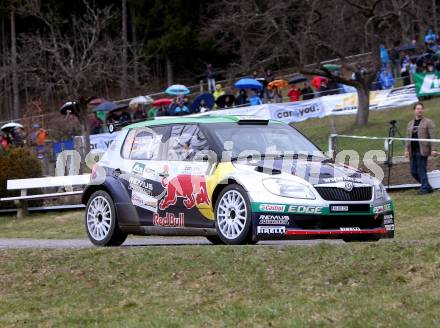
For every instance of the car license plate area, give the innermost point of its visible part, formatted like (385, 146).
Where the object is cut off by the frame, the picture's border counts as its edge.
(352, 208)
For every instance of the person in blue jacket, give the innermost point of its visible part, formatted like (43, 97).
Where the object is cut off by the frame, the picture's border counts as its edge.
(386, 78)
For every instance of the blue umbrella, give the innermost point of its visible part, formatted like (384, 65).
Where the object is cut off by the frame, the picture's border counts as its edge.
(107, 106)
(248, 84)
(207, 97)
(177, 90)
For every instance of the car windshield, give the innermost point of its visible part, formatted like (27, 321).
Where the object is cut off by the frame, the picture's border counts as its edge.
(274, 139)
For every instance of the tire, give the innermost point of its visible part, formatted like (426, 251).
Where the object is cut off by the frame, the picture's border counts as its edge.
(215, 240)
(233, 216)
(101, 222)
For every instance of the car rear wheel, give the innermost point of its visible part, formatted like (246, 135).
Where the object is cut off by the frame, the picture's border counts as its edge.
(101, 222)
(233, 216)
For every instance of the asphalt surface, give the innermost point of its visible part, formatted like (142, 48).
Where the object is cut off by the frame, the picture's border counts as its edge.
(17, 243)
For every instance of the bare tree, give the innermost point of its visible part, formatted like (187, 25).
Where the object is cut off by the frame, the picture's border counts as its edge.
(310, 31)
(72, 57)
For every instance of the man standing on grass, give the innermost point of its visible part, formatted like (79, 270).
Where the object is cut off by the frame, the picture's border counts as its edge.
(419, 151)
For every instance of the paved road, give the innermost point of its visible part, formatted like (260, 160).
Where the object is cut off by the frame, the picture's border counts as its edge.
(137, 242)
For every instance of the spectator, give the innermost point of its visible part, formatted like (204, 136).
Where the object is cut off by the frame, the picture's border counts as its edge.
(418, 151)
(210, 77)
(218, 92)
(276, 95)
(394, 59)
(405, 60)
(430, 37)
(268, 77)
(95, 124)
(118, 117)
(179, 108)
(294, 93)
(18, 136)
(324, 90)
(140, 114)
(386, 78)
(241, 99)
(406, 74)
(307, 92)
(384, 56)
(4, 142)
(254, 99)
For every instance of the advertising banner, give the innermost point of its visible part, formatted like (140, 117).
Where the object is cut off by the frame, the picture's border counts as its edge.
(101, 142)
(296, 111)
(427, 84)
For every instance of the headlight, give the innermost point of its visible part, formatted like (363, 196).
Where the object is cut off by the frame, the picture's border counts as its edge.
(288, 188)
(380, 192)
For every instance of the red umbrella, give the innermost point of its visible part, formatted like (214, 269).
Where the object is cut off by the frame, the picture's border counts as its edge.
(162, 102)
(96, 101)
(316, 82)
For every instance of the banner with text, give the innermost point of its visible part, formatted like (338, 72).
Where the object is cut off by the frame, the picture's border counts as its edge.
(427, 84)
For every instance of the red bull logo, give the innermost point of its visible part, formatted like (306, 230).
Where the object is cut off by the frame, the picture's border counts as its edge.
(169, 220)
(192, 188)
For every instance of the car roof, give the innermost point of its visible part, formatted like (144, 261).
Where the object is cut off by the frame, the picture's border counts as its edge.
(204, 119)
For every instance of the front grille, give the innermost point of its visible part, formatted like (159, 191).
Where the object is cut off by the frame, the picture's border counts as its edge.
(338, 194)
(336, 222)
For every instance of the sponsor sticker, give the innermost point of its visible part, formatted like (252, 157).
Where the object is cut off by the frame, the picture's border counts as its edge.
(271, 230)
(272, 207)
(138, 168)
(144, 201)
(387, 207)
(388, 219)
(377, 209)
(341, 179)
(303, 209)
(191, 188)
(139, 185)
(389, 227)
(274, 219)
(350, 228)
(169, 220)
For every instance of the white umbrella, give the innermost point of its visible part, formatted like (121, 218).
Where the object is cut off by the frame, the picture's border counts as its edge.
(141, 100)
(11, 125)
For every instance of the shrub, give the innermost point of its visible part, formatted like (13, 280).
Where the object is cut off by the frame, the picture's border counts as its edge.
(17, 163)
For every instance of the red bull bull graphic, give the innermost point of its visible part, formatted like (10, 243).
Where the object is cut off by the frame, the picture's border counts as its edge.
(192, 188)
(169, 220)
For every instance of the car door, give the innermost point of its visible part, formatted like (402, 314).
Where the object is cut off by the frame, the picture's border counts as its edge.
(186, 193)
(142, 153)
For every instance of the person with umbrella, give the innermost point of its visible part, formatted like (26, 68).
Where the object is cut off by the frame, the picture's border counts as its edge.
(294, 93)
(268, 77)
(241, 99)
(307, 92)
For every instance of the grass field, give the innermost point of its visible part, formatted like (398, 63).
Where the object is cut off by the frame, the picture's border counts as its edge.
(388, 284)
(319, 129)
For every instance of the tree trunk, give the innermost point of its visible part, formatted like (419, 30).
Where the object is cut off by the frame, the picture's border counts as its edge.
(15, 91)
(85, 131)
(134, 47)
(363, 105)
(124, 77)
(169, 71)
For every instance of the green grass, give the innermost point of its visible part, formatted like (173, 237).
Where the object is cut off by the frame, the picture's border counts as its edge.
(318, 130)
(58, 225)
(388, 283)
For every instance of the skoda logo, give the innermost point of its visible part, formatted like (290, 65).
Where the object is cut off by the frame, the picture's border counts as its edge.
(348, 186)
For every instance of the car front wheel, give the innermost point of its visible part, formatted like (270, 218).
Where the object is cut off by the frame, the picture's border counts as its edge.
(101, 222)
(233, 216)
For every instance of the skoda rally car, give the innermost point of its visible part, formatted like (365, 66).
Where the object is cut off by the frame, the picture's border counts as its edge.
(232, 179)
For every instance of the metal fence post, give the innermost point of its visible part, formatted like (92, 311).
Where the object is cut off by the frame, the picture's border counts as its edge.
(332, 145)
(22, 209)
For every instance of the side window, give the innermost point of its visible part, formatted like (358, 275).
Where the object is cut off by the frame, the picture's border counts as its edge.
(126, 148)
(147, 144)
(185, 141)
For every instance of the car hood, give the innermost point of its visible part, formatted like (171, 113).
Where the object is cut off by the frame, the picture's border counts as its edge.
(314, 172)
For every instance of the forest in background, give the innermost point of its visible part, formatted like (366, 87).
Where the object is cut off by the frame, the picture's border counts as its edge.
(53, 51)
